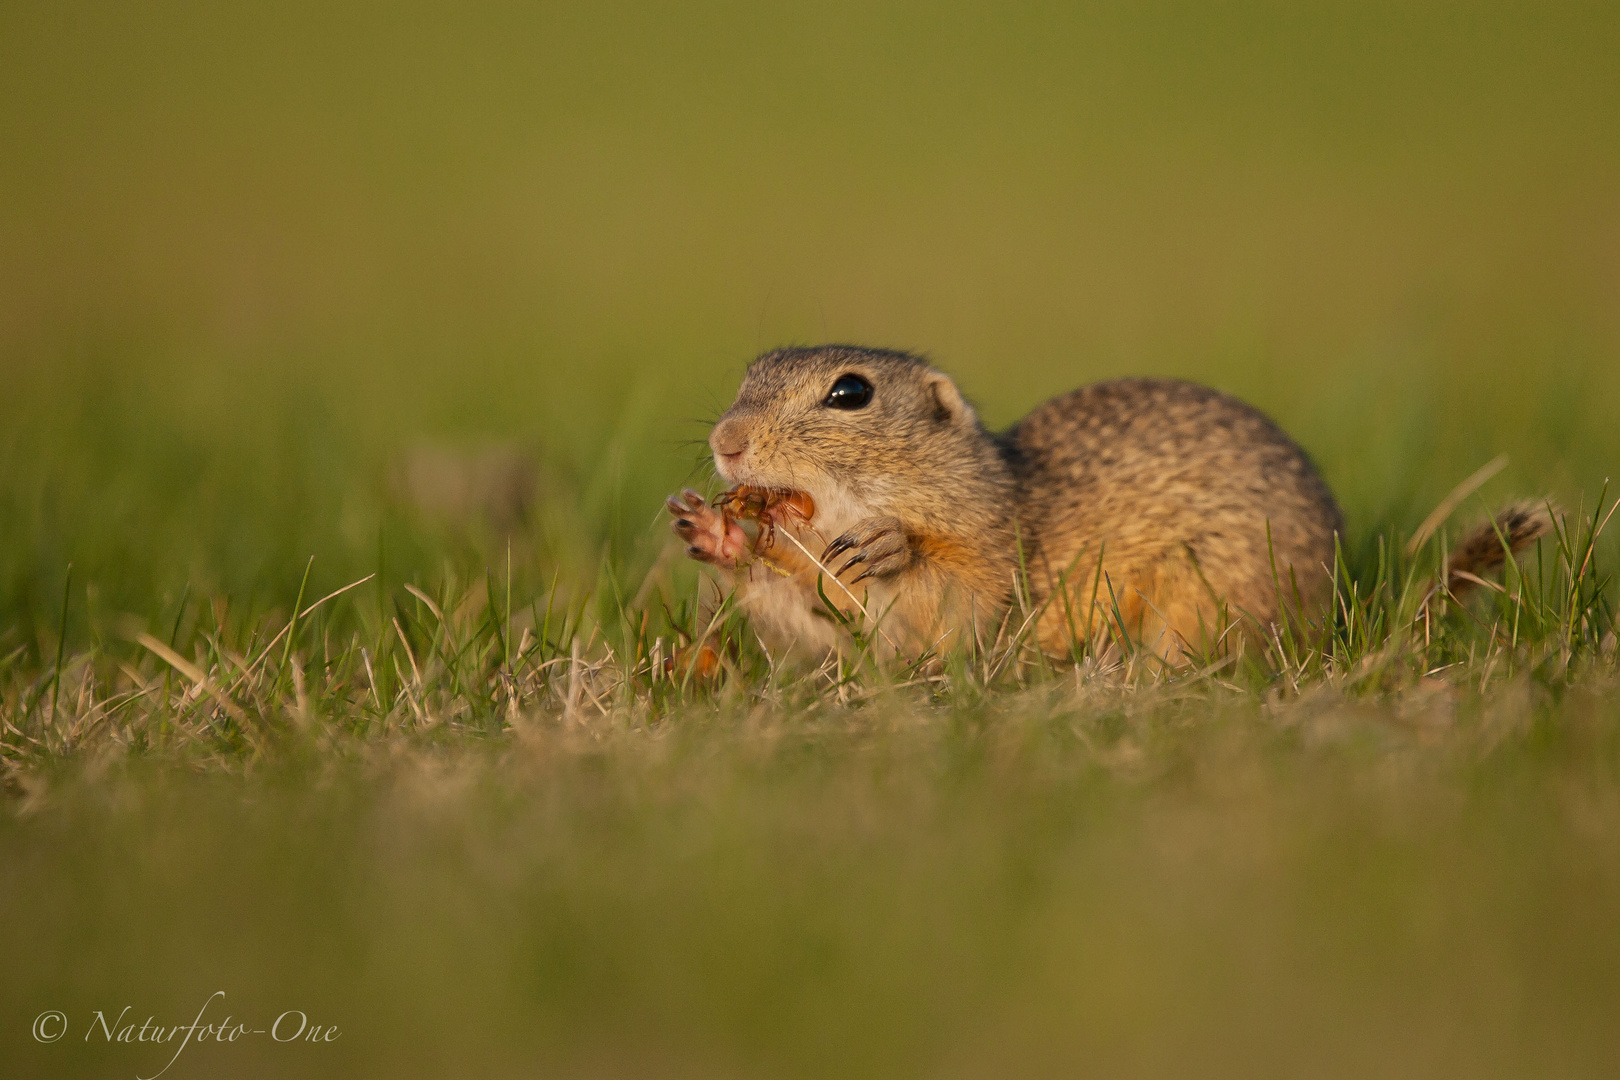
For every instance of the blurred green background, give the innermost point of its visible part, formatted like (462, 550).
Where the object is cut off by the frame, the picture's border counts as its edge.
(251, 255)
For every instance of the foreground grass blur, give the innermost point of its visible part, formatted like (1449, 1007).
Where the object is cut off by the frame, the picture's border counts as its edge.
(1185, 879)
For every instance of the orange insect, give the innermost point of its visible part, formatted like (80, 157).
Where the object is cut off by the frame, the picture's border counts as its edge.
(703, 662)
(766, 506)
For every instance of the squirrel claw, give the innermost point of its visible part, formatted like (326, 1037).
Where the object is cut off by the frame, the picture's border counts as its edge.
(708, 534)
(838, 547)
(880, 543)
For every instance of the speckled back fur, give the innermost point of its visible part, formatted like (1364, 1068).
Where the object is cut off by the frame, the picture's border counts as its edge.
(1188, 497)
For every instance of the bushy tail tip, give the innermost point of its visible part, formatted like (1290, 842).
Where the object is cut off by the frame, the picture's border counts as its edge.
(1485, 548)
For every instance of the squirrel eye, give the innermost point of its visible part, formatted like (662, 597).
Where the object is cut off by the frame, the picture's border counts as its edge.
(849, 392)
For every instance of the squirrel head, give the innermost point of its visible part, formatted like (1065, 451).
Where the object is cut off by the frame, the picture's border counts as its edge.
(868, 429)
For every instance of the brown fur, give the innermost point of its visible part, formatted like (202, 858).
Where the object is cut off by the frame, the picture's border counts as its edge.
(1150, 499)
(1486, 549)
(1200, 510)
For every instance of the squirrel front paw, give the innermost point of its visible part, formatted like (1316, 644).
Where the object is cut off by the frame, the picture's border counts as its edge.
(881, 548)
(708, 535)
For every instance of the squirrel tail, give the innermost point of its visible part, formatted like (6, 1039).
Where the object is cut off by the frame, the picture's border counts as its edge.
(1485, 548)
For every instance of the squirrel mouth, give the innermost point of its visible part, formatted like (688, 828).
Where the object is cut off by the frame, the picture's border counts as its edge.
(732, 470)
(728, 468)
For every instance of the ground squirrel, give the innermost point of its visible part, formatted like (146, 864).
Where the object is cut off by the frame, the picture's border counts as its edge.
(1153, 510)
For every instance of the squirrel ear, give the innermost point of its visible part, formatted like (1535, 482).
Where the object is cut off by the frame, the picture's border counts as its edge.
(949, 404)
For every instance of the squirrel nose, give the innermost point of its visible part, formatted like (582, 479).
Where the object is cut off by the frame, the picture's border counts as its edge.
(729, 437)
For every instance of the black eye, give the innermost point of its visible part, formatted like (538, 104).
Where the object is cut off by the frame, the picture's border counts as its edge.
(849, 392)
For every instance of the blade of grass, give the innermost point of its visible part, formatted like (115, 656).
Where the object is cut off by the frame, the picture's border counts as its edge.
(61, 640)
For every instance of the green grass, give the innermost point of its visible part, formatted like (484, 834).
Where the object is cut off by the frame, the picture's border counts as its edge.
(251, 261)
(486, 832)
(1178, 877)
